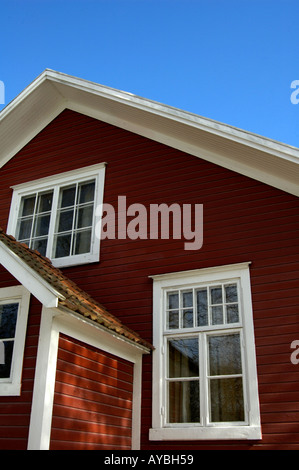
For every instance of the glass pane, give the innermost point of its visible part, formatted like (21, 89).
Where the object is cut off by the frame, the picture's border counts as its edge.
(227, 402)
(65, 221)
(85, 217)
(173, 319)
(216, 295)
(187, 318)
(45, 202)
(28, 205)
(82, 243)
(63, 244)
(6, 350)
(183, 402)
(24, 229)
(217, 315)
(183, 357)
(231, 293)
(173, 300)
(68, 196)
(232, 313)
(41, 225)
(202, 307)
(40, 245)
(8, 320)
(187, 298)
(225, 355)
(86, 192)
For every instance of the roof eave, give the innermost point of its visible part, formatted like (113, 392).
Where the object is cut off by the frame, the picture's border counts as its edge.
(260, 158)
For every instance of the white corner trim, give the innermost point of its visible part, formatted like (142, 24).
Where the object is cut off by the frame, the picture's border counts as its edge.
(44, 383)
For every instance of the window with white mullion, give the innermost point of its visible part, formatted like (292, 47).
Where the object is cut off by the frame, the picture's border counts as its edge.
(225, 369)
(205, 377)
(64, 232)
(34, 219)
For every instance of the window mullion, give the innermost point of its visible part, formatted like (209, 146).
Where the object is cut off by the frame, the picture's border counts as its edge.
(74, 224)
(33, 219)
(204, 383)
(52, 224)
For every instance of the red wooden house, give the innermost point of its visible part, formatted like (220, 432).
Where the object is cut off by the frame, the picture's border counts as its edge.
(176, 327)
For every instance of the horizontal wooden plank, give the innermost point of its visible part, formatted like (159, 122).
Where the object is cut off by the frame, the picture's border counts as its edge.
(82, 390)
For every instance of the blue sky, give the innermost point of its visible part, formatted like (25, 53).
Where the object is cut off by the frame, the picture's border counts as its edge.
(229, 60)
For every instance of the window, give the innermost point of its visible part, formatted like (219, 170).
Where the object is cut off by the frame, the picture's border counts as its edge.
(205, 380)
(14, 304)
(57, 216)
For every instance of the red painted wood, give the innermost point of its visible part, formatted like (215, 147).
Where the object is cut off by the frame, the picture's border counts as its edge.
(92, 400)
(244, 220)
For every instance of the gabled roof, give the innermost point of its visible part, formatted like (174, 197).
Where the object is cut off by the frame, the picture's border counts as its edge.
(40, 276)
(254, 156)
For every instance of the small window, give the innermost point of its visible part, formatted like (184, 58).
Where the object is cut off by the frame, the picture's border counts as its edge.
(14, 304)
(58, 217)
(205, 381)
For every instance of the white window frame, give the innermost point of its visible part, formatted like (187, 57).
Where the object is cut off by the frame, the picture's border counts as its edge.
(54, 183)
(17, 294)
(161, 430)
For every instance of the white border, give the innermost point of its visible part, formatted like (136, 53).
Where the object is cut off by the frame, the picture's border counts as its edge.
(187, 278)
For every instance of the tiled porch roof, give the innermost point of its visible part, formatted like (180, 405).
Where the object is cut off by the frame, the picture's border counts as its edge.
(71, 296)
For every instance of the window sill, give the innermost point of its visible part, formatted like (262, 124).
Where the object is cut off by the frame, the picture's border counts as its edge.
(75, 260)
(205, 433)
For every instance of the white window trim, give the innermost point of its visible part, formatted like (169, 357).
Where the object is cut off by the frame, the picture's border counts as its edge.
(160, 431)
(56, 181)
(12, 385)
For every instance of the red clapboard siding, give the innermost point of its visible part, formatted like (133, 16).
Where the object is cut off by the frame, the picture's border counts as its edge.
(244, 220)
(93, 399)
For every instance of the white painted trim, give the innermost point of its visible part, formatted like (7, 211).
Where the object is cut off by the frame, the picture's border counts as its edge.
(12, 386)
(191, 278)
(44, 383)
(54, 322)
(263, 159)
(60, 178)
(43, 291)
(136, 405)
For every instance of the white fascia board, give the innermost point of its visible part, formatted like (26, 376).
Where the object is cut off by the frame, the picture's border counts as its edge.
(29, 278)
(52, 92)
(114, 339)
(209, 125)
